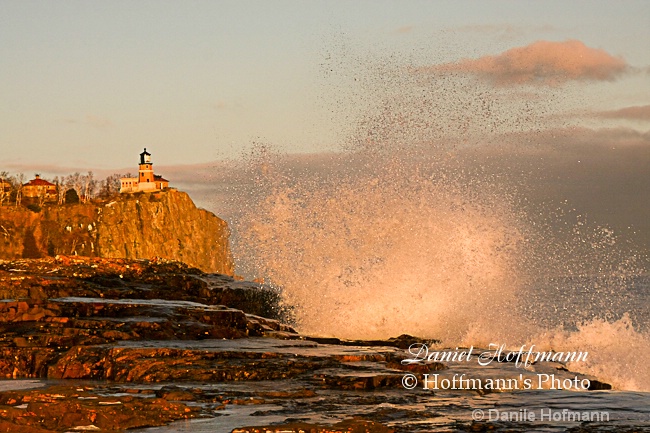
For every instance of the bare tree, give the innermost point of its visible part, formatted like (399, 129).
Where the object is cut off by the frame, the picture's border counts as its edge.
(75, 182)
(19, 181)
(89, 185)
(66, 181)
(60, 190)
(111, 185)
(41, 195)
(3, 191)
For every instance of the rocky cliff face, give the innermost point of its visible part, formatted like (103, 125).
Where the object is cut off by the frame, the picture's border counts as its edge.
(165, 224)
(145, 225)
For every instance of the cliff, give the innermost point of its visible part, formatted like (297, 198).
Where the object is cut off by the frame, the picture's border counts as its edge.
(132, 226)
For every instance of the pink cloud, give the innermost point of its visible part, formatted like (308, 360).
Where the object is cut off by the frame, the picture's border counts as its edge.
(542, 63)
(405, 29)
(641, 112)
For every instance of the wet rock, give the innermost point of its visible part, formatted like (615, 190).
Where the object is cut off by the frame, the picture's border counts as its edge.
(303, 393)
(64, 408)
(177, 393)
(417, 368)
(596, 385)
(404, 341)
(65, 276)
(124, 364)
(360, 382)
(69, 303)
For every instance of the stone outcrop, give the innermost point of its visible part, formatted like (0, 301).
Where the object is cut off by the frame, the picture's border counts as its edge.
(63, 408)
(129, 323)
(164, 224)
(59, 315)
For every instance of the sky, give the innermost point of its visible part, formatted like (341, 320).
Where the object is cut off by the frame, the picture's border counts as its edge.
(88, 84)
(558, 91)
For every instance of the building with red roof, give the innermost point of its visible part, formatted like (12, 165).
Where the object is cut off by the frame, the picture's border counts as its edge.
(40, 188)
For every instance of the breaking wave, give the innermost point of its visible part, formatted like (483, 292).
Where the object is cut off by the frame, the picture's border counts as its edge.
(407, 230)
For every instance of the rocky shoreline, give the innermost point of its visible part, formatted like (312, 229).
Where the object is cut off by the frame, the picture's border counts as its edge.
(137, 322)
(112, 344)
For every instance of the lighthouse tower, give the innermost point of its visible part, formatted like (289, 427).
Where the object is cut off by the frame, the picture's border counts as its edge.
(145, 172)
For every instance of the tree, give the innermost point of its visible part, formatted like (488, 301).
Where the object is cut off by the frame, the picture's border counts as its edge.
(3, 192)
(110, 186)
(41, 195)
(74, 181)
(89, 185)
(60, 190)
(19, 181)
(71, 196)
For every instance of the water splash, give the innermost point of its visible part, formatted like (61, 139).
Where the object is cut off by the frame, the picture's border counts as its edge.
(618, 352)
(371, 249)
(384, 250)
(409, 229)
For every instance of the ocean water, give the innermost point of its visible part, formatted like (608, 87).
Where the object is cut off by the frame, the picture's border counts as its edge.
(444, 413)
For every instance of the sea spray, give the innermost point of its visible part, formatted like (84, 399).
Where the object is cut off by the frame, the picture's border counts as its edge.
(377, 253)
(618, 352)
(384, 251)
(421, 225)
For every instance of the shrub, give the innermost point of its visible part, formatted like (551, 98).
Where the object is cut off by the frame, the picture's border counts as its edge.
(71, 196)
(34, 207)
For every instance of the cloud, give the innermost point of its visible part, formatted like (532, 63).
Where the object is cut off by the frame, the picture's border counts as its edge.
(220, 105)
(640, 112)
(405, 29)
(48, 171)
(601, 173)
(540, 63)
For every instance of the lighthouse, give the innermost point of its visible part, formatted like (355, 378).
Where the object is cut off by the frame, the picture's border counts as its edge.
(146, 181)
(145, 171)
